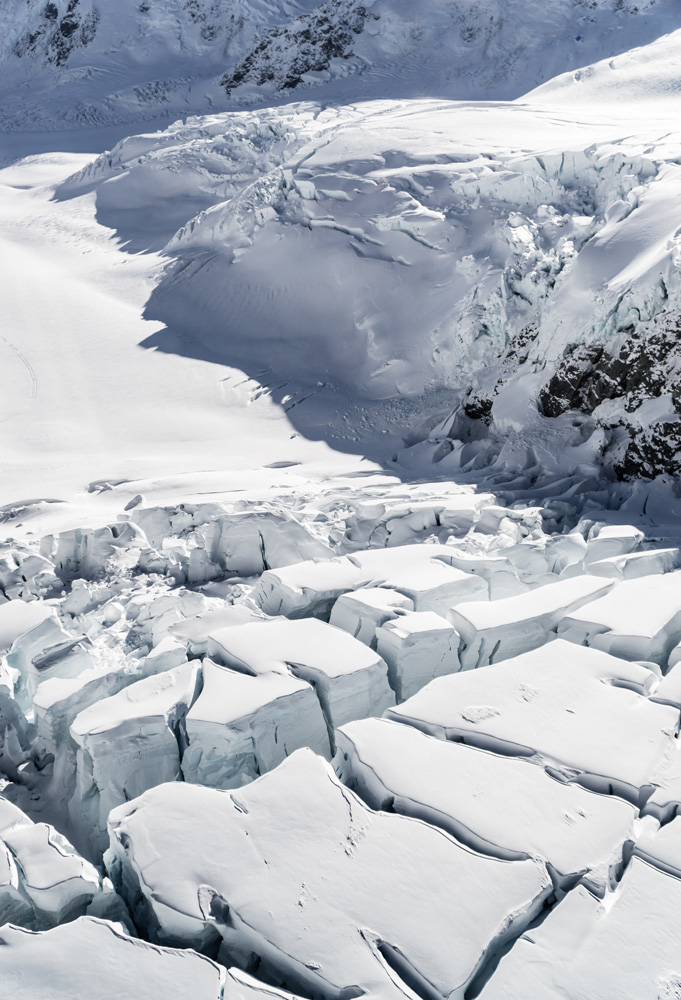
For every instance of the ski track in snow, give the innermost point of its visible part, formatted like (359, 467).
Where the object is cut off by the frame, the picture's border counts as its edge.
(340, 571)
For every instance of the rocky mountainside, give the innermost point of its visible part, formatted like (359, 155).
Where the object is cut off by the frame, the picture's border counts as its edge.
(83, 62)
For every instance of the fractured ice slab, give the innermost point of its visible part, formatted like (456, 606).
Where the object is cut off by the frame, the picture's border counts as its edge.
(362, 611)
(17, 617)
(424, 573)
(95, 959)
(579, 711)
(501, 806)
(243, 725)
(639, 620)
(661, 846)
(417, 647)
(16, 734)
(240, 986)
(496, 630)
(50, 645)
(636, 564)
(307, 588)
(129, 742)
(294, 872)
(350, 679)
(665, 801)
(58, 700)
(612, 540)
(58, 882)
(626, 947)
(43, 881)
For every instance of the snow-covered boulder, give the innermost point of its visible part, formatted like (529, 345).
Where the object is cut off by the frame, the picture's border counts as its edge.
(639, 620)
(242, 725)
(579, 711)
(96, 959)
(496, 630)
(498, 805)
(295, 875)
(417, 647)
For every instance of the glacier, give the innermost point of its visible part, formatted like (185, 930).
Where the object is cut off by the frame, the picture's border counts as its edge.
(340, 437)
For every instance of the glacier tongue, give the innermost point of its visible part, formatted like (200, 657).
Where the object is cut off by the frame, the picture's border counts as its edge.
(378, 397)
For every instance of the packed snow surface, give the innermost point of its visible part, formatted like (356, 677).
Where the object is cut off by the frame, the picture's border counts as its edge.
(340, 431)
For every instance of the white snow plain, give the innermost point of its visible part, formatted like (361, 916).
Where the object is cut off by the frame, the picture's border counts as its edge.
(340, 430)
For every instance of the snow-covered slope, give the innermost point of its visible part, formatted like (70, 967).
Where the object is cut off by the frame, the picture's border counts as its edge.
(87, 61)
(523, 259)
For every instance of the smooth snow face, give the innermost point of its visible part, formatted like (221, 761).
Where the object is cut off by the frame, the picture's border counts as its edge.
(591, 952)
(501, 806)
(95, 959)
(324, 888)
(579, 711)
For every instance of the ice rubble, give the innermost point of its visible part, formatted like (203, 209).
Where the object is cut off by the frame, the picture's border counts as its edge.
(318, 907)
(497, 805)
(581, 712)
(95, 959)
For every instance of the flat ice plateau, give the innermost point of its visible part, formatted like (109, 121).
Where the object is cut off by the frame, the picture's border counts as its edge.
(340, 450)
